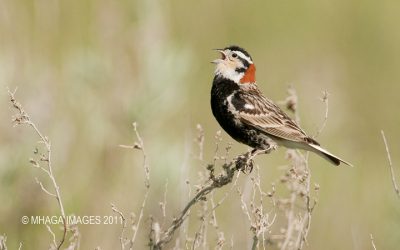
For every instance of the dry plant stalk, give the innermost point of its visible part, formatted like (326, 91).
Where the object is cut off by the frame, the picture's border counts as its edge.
(135, 225)
(242, 162)
(300, 203)
(372, 242)
(260, 221)
(297, 180)
(394, 182)
(75, 239)
(22, 118)
(206, 214)
(3, 245)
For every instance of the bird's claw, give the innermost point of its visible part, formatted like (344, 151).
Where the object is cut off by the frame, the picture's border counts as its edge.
(245, 163)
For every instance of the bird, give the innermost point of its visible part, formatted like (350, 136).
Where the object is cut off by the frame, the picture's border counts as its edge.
(247, 115)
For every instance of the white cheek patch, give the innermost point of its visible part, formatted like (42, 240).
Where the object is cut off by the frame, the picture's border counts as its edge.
(229, 72)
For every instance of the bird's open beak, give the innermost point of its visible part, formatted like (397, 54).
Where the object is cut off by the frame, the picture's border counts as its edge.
(223, 56)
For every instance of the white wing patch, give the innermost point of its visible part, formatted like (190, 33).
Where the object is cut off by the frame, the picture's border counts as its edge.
(231, 108)
(249, 106)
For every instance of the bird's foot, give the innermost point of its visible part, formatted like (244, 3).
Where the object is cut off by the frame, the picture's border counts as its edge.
(268, 150)
(245, 162)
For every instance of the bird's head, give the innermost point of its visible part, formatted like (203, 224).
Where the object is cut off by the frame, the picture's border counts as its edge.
(235, 64)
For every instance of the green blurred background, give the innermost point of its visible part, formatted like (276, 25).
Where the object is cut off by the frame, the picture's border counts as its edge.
(86, 69)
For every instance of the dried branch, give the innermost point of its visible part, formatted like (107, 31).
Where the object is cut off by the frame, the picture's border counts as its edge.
(254, 246)
(325, 100)
(163, 204)
(139, 145)
(44, 189)
(298, 182)
(372, 242)
(291, 102)
(53, 236)
(146, 184)
(3, 245)
(306, 221)
(200, 141)
(394, 182)
(75, 239)
(122, 239)
(242, 162)
(220, 235)
(22, 118)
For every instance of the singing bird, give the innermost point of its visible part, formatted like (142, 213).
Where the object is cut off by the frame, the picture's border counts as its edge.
(247, 115)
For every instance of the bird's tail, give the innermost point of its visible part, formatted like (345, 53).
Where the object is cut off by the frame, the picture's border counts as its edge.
(328, 156)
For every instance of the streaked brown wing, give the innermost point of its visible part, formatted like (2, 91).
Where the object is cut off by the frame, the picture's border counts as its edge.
(269, 118)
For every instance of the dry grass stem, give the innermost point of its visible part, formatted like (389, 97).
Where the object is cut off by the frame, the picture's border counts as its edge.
(325, 100)
(53, 236)
(139, 145)
(75, 239)
(213, 182)
(200, 141)
(394, 182)
(298, 207)
(22, 118)
(122, 239)
(291, 102)
(372, 242)
(163, 204)
(260, 221)
(146, 182)
(3, 240)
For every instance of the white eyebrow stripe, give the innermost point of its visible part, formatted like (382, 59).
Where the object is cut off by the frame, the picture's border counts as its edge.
(240, 53)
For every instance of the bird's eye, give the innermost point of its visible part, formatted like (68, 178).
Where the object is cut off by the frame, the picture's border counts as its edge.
(234, 55)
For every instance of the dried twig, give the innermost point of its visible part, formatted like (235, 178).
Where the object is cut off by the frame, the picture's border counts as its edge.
(207, 213)
(396, 188)
(3, 245)
(372, 242)
(146, 183)
(200, 141)
(254, 246)
(214, 182)
(122, 239)
(260, 221)
(53, 236)
(75, 239)
(291, 102)
(139, 145)
(298, 182)
(325, 100)
(163, 204)
(306, 221)
(20, 118)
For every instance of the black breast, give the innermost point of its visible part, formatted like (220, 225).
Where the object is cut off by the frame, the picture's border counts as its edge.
(221, 89)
